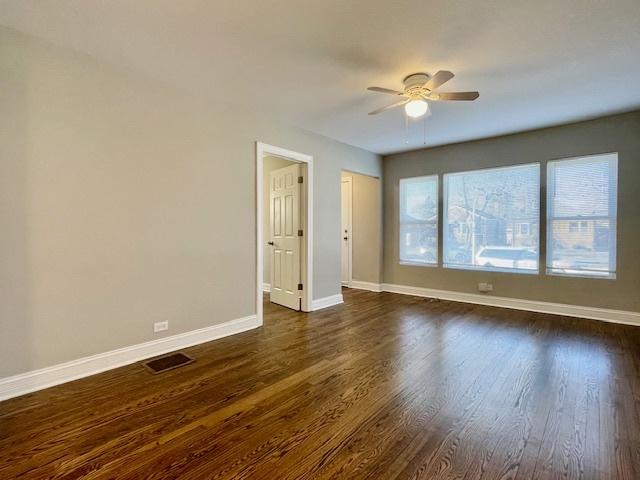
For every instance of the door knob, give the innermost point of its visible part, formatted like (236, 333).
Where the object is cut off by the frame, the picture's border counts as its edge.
(270, 243)
(346, 238)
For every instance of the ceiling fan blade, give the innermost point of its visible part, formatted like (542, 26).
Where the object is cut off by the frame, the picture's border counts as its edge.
(456, 96)
(438, 79)
(385, 90)
(388, 107)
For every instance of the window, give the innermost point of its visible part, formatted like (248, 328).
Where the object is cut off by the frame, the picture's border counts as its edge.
(523, 228)
(491, 219)
(419, 220)
(581, 216)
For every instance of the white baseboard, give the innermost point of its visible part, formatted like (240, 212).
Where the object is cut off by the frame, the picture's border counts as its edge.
(604, 314)
(65, 372)
(266, 287)
(83, 367)
(326, 302)
(360, 285)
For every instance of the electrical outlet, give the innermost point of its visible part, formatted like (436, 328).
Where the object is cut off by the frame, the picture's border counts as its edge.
(160, 326)
(485, 287)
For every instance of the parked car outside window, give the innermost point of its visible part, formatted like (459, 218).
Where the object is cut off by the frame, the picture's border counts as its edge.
(507, 257)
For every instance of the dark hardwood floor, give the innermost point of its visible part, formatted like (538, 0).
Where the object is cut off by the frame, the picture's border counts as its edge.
(383, 387)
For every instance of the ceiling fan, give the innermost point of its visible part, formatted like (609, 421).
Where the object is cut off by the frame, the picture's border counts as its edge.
(418, 88)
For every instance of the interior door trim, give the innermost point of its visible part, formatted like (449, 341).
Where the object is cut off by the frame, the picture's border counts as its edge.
(348, 179)
(263, 150)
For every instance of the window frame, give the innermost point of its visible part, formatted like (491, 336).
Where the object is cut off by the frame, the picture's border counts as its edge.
(445, 208)
(435, 223)
(612, 217)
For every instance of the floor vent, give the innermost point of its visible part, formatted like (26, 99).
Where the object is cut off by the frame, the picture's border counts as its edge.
(168, 362)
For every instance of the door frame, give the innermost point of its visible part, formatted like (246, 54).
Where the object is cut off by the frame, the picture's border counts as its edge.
(306, 256)
(347, 179)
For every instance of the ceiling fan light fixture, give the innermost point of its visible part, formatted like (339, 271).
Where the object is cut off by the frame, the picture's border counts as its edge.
(416, 108)
(418, 88)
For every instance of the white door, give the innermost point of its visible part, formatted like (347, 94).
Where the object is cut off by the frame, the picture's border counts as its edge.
(346, 230)
(285, 241)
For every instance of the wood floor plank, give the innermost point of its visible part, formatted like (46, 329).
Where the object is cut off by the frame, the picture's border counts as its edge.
(384, 386)
(408, 417)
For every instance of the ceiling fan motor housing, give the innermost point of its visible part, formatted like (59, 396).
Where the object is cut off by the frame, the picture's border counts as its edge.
(414, 82)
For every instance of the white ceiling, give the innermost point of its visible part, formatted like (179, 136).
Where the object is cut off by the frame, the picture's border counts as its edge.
(309, 62)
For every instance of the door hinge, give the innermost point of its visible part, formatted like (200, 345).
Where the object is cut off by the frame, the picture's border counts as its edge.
(300, 179)
(299, 286)
(300, 233)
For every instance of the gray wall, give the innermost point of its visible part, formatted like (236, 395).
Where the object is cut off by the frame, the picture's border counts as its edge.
(124, 202)
(620, 133)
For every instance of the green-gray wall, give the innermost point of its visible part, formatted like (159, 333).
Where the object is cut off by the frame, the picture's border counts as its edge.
(620, 133)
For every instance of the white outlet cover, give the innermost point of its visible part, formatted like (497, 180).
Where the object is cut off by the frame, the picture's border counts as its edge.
(160, 326)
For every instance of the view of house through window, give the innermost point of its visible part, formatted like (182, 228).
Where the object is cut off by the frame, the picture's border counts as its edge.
(491, 219)
(581, 216)
(419, 220)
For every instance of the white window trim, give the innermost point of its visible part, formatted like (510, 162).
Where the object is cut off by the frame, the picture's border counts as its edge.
(410, 263)
(612, 217)
(445, 208)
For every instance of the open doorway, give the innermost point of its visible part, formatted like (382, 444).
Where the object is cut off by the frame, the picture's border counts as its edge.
(346, 216)
(283, 222)
(361, 231)
(284, 228)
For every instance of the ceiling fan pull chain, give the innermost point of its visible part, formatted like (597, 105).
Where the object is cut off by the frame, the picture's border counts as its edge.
(424, 131)
(406, 129)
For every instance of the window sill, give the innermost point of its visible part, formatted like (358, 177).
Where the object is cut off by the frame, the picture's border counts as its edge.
(578, 274)
(491, 269)
(417, 264)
